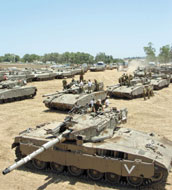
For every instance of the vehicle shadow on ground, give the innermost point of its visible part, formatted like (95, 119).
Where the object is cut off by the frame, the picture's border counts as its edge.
(52, 178)
(55, 111)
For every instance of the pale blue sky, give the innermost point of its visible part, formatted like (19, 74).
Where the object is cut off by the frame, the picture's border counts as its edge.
(117, 27)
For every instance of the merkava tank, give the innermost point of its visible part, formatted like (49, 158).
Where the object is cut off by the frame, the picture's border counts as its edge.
(93, 144)
(43, 76)
(159, 81)
(141, 71)
(60, 74)
(12, 83)
(10, 92)
(134, 90)
(71, 97)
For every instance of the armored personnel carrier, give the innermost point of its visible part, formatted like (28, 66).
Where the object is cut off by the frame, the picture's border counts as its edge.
(71, 97)
(16, 93)
(92, 144)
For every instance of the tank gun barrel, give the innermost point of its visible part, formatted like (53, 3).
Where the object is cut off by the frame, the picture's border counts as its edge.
(29, 157)
(52, 94)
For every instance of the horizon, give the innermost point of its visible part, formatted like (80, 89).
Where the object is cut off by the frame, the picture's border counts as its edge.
(117, 28)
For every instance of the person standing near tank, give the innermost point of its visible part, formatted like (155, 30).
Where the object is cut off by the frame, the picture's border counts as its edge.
(81, 78)
(64, 84)
(92, 102)
(96, 85)
(89, 86)
(81, 87)
(106, 103)
(144, 92)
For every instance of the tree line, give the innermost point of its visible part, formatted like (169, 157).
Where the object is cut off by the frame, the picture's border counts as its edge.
(67, 57)
(164, 56)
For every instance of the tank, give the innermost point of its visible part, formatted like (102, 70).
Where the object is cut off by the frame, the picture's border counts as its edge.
(93, 144)
(60, 74)
(42, 76)
(159, 83)
(100, 66)
(17, 93)
(128, 92)
(12, 83)
(71, 97)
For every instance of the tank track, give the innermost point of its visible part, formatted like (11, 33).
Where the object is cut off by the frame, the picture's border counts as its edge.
(147, 184)
(17, 98)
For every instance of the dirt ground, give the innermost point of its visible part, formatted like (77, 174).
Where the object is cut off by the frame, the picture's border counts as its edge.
(154, 115)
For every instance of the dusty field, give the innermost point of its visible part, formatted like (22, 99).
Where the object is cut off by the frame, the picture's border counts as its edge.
(154, 115)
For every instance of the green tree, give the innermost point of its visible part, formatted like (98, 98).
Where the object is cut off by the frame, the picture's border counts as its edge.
(150, 52)
(164, 55)
(30, 58)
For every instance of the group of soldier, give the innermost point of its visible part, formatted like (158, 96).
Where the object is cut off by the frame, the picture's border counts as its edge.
(125, 79)
(81, 83)
(97, 105)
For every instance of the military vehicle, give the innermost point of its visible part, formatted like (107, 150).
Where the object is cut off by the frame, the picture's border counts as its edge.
(12, 83)
(160, 82)
(64, 74)
(128, 92)
(100, 66)
(141, 71)
(66, 101)
(16, 93)
(41, 76)
(73, 96)
(93, 144)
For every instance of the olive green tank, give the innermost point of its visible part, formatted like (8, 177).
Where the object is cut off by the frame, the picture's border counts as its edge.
(93, 144)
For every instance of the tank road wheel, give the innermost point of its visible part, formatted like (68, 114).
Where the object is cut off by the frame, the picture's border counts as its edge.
(135, 181)
(56, 167)
(159, 176)
(74, 171)
(95, 175)
(112, 178)
(40, 165)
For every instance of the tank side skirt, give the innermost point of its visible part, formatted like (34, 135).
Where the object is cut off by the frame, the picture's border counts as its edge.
(99, 163)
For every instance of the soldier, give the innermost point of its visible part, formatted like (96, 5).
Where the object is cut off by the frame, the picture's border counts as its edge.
(150, 91)
(96, 85)
(73, 80)
(145, 92)
(64, 84)
(98, 106)
(89, 86)
(150, 74)
(126, 81)
(106, 103)
(81, 78)
(92, 102)
(130, 77)
(120, 80)
(81, 87)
